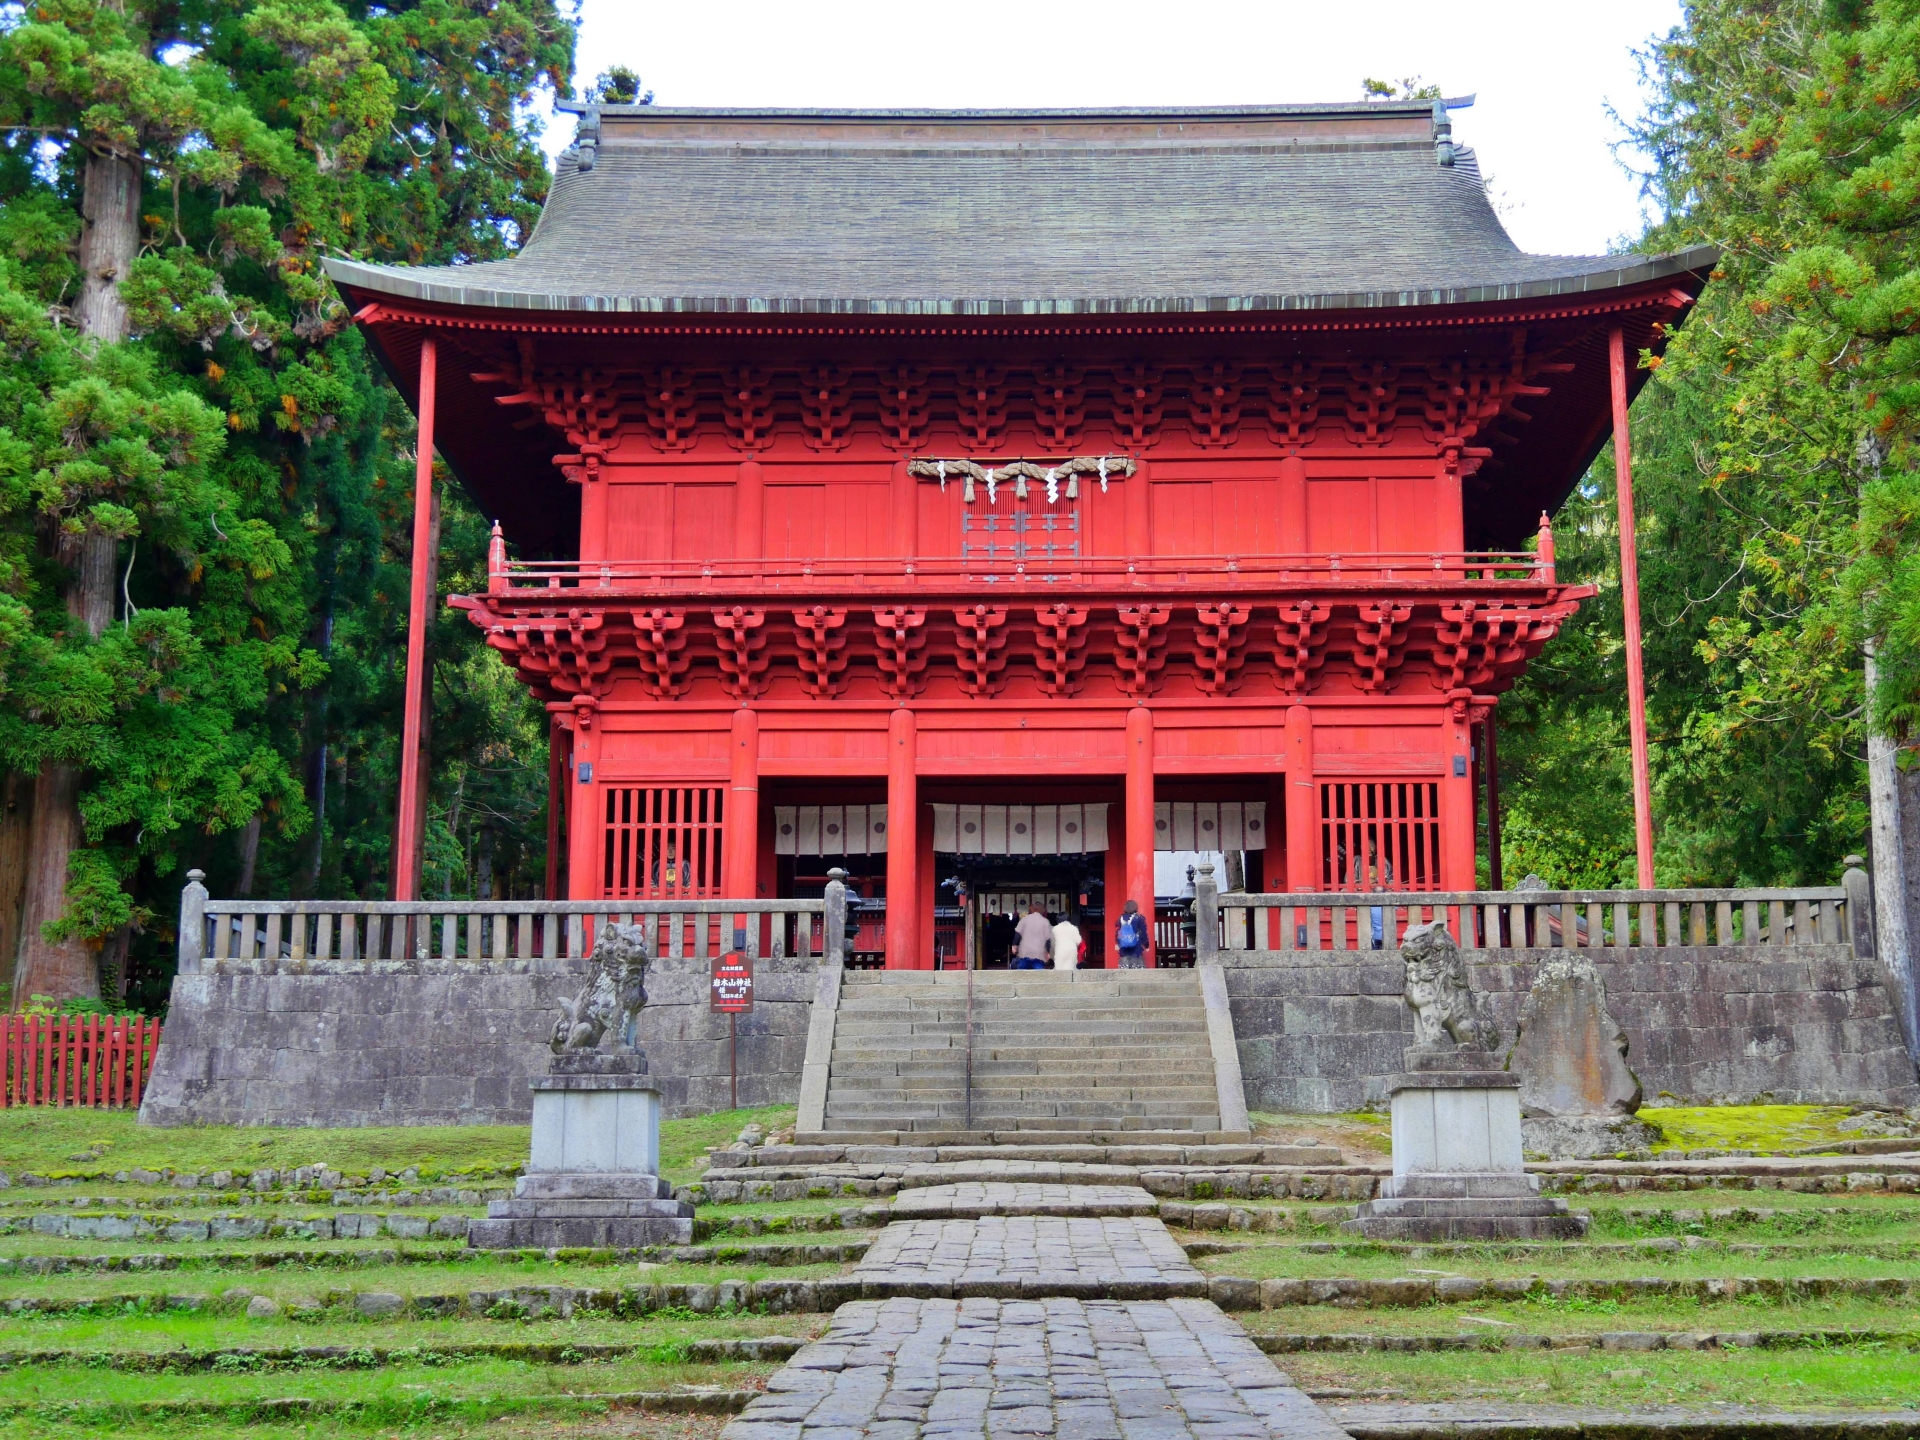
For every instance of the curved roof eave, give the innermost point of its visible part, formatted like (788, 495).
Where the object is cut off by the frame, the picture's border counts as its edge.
(399, 282)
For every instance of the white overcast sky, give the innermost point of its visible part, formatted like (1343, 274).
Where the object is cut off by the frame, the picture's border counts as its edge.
(1545, 71)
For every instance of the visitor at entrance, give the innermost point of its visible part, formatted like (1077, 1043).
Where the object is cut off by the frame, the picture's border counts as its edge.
(998, 946)
(1069, 947)
(1130, 937)
(1035, 935)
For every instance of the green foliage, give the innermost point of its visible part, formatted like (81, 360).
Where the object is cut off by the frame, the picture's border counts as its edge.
(619, 86)
(1777, 484)
(242, 449)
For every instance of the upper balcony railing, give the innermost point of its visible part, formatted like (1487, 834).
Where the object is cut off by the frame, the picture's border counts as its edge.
(1215, 573)
(1017, 566)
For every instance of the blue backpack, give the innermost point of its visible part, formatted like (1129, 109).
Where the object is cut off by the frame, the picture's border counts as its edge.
(1132, 933)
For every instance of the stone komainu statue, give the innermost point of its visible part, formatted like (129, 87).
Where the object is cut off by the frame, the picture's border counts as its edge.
(1437, 992)
(615, 992)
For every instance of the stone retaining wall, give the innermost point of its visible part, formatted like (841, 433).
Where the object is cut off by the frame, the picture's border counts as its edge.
(436, 1042)
(1321, 1030)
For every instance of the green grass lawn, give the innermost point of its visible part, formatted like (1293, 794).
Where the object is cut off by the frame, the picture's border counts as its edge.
(1280, 1261)
(1863, 1378)
(1489, 1320)
(59, 1142)
(1765, 1129)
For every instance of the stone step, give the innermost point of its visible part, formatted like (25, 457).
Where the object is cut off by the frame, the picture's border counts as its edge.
(944, 1063)
(869, 1049)
(1040, 1026)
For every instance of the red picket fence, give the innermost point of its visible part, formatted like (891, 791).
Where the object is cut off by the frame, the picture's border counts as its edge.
(91, 1060)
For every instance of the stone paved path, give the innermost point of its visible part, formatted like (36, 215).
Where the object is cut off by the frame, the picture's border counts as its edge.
(1041, 1172)
(976, 1198)
(1072, 1255)
(1079, 1370)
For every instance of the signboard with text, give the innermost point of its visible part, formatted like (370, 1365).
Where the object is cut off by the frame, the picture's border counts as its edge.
(732, 988)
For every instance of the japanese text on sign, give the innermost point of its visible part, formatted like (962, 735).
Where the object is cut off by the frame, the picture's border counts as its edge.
(732, 984)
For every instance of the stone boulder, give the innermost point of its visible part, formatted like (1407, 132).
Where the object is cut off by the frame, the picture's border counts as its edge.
(1577, 1093)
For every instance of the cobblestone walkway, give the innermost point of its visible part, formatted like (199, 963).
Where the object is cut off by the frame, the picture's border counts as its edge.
(1068, 1254)
(976, 1198)
(1080, 1370)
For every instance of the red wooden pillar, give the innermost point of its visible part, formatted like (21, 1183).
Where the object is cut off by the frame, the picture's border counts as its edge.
(406, 846)
(1140, 816)
(1630, 605)
(904, 501)
(1293, 506)
(903, 841)
(1303, 804)
(585, 827)
(1139, 513)
(740, 820)
(749, 512)
(1490, 767)
(1116, 878)
(1457, 870)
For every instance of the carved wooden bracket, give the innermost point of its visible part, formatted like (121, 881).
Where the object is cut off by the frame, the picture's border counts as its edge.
(1380, 644)
(900, 638)
(1300, 641)
(1293, 403)
(660, 637)
(564, 655)
(903, 407)
(746, 398)
(741, 636)
(1136, 404)
(821, 636)
(673, 414)
(1140, 648)
(1220, 644)
(1213, 405)
(1059, 404)
(981, 645)
(1373, 403)
(826, 407)
(981, 403)
(1061, 651)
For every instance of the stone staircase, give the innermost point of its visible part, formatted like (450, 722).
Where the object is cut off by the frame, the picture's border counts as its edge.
(1057, 1056)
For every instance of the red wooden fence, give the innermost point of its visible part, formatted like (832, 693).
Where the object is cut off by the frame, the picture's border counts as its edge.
(91, 1060)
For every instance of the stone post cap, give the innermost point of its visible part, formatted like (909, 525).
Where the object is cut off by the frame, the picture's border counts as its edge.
(1435, 1069)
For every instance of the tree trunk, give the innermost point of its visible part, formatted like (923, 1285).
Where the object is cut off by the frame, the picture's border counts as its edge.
(16, 838)
(483, 864)
(109, 241)
(1894, 803)
(249, 856)
(67, 970)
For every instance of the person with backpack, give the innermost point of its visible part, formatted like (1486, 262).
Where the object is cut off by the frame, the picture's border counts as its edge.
(1130, 937)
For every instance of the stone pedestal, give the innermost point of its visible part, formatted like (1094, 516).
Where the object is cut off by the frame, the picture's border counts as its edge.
(1458, 1173)
(593, 1178)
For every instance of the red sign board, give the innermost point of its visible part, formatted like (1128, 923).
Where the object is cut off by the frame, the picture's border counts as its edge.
(732, 989)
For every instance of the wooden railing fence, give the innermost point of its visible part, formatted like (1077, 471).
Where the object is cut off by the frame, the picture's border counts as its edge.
(1524, 919)
(214, 930)
(99, 1061)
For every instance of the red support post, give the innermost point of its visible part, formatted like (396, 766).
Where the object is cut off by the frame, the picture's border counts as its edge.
(1140, 821)
(1630, 605)
(740, 819)
(406, 858)
(556, 799)
(903, 841)
(1490, 767)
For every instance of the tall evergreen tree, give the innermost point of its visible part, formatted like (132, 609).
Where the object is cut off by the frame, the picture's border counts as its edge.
(202, 484)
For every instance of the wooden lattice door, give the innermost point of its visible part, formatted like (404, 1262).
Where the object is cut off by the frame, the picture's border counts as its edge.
(662, 842)
(1380, 835)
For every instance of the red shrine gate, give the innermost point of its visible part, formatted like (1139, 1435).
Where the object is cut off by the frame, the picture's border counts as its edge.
(916, 587)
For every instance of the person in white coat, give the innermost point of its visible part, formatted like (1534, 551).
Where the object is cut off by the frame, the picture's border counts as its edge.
(1067, 945)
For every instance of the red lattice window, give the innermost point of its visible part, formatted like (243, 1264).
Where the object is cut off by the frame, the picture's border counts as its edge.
(1380, 835)
(662, 843)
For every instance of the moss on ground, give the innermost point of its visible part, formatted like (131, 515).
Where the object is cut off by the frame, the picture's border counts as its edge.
(1764, 1129)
